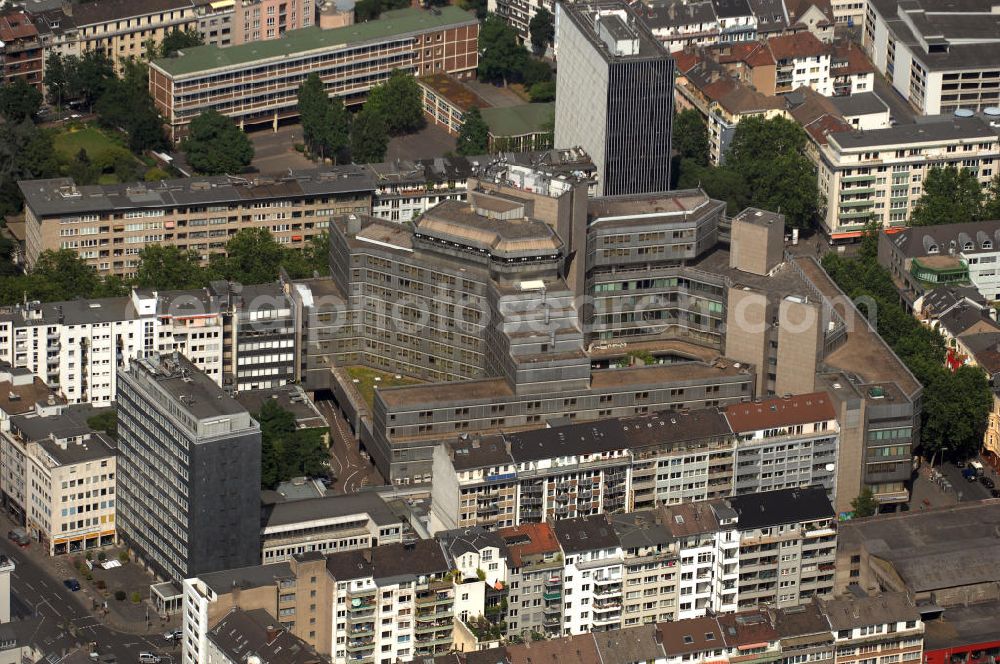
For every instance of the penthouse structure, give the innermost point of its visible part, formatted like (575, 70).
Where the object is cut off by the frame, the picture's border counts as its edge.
(615, 96)
(924, 259)
(939, 58)
(108, 225)
(239, 82)
(189, 473)
(877, 175)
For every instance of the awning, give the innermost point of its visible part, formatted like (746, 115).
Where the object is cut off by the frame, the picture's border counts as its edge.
(752, 646)
(846, 236)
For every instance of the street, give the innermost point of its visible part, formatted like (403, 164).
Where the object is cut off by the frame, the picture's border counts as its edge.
(35, 593)
(964, 489)
(353, 470)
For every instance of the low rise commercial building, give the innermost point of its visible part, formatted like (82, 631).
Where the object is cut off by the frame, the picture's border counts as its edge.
(239, 81)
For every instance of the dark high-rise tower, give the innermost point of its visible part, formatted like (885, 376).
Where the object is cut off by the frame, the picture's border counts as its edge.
(614, 96)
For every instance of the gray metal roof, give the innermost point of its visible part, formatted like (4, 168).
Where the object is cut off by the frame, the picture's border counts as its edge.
(862, 103)
(934, 129)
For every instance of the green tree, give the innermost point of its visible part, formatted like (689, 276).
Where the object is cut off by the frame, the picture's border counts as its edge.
(26, 153)
(991, 200)
(864, 504)
(56, 78)
(167, 267)
(770, 156)
(369, 138)
(542, 29)
(177, 40)
(501, 57)
(478, 6)
(287, 451)
(252, 256)
(367, 10)
(474, 135)
(66, 274)
(399, 102)
(950, 195)
(106, 420)
(317, 255)
(215, 145)
(19, 101)
(690, 137)
(324, 120)
(542, 92)
(82, 169)
(533, 71)
(89, 75)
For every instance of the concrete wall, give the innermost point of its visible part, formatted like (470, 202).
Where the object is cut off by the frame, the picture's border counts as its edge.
(748, 315)
(800, 341)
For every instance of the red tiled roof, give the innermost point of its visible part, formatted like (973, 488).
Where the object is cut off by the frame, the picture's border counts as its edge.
(780, 411)
(857, 61)
(754, 54)
(685, 60)
(542, 539)
(798, 45)
(827, 124)
(16, 25)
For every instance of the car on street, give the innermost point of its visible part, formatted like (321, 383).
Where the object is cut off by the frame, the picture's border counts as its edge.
(986, 482)
(72, 584)
(148, 658)
(19, 536)
(969, 474)
(172, 634)
(995, 493)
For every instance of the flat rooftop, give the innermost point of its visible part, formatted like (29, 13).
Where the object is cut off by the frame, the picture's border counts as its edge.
(188, 386)
(968, 28)
(245, 578)
(62, 196)
(454, 91)
(933, 548)
(328, 507)
(616, 16)
(864, 354)
(962, 626)
(290, 397)
(608, 210)
(520, 120)
(931, 130)
(391, 24)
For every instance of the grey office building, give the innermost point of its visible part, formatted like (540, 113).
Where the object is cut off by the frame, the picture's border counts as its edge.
(615, 95)
(188, 470)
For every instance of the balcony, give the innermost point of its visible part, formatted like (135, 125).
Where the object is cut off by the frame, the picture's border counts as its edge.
(433, 599)
(551, 595)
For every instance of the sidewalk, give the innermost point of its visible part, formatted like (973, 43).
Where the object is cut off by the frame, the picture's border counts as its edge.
(122, 616)
(928, 492)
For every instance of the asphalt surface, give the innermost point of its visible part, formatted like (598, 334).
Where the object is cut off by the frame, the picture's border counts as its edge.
(350, 465)
(964, 489)
(36, 593)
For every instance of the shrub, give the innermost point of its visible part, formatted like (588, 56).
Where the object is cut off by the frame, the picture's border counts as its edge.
(101, 557)
(123, 557)
(120, 595)
(89, 556)
(136, 597)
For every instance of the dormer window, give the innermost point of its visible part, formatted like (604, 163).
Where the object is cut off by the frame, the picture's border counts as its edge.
(968, 246)
(933, 249)
(987, 244)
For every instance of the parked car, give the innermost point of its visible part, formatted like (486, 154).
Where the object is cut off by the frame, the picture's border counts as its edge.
(969, 474)
(995, 493)
(148, 658)
(72, 584)
(19, 536)
(986, 482)
(172, 634)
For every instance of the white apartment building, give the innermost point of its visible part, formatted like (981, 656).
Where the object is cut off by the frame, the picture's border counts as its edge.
(518, 13)
(801, 60)
(708, 557)
(877, 175)
(886, 628)
(68, 481)
(593, 575)
(939, 56)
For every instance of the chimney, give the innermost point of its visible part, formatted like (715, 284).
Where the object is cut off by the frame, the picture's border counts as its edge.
(272, 634)
(353, 224)
(366, 555)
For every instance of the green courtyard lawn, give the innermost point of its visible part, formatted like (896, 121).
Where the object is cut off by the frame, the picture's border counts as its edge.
(101, 146)
(367, 379)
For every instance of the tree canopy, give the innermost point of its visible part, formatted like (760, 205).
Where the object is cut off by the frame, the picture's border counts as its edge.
(474, 135)
(542, 29)
(26, 153)
(765, 166)
(175, 41)
(399, 102)
(167, 267)
(324, 120)
(287, 451)
(690, 137)
(19, 101)
(501, 57)
(215, 145)
(950, 195)
(864, 504)
(955, 404)
(369, 138)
